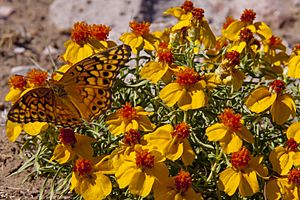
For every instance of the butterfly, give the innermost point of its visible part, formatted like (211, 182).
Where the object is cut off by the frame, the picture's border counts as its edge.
(82, 94)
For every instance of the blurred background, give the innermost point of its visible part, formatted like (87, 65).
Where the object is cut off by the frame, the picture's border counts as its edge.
(34, 31)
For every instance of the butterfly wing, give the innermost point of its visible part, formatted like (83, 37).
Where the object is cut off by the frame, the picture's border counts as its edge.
(88, 82)
(42, 105)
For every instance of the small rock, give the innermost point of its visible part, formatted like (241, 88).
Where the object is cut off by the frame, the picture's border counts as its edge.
(49, 50)
(5, 11)
(22, 70)
(19, 50)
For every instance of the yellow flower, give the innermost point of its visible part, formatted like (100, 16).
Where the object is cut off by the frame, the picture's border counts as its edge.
(281, 105)
(85, 41)
(13, 130)
(126, 146)
(232, 31)
(140, 37)
(228, 71)
(140, 169)
(173, 143)
(72, 144)
(89, 181)
(192, 20)
(279, 187)
(274, 51)
(187, 91)
(178, 187)
(294, 63)
(127, 118)
(230, 132)
(161, 68)
(242, 174)
(284, 158)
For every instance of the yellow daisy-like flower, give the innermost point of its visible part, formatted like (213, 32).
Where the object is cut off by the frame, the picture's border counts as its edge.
(228, 71)
(72, 145)
(172, 142)
(161, 68)
(187, 91)
(140, 37)
(279, 188)
(281, 105)
(89, 181)
(178, 187)
(284, 158)
(192, 22)
(140, 169)
(85, 41)
(230, 132)
(232, 32)
(127, 118)
(294, 63)
(242, 174)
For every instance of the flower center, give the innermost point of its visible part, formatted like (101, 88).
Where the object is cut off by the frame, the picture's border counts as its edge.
(164, 54)
(278, 86)
(67, 136)
(127, 112)
(100, 32)
(294, 176)
(240, 159)
(198, 13)
(296, 48)
(142, 28)
(274, 41)
(17, 82)
(248, 16)
(83, 167)
(246, 35)
(228, 21)
(187, 76)
(37, 77)
(132, 137)
(187, 6)
(182, 131)
(231, 120)
(80, 32)
(144, 159)
(292, 144)
(233, 58)
(183, 181)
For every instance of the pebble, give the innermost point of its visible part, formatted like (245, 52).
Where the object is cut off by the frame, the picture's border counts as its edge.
(19, 50)
(5, 11)
(49, 50)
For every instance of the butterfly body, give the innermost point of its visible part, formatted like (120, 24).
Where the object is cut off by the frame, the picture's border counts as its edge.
(81, 94)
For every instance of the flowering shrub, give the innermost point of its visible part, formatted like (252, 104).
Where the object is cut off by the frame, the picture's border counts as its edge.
(194, 116)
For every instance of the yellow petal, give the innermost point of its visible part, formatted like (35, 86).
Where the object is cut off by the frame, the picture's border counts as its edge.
(13, 95)
(13, 130)
(273, 190)
(125, 173)
(193, 98)
(260, 99)
(281, 160)
(246, 135)
(171, 93)
(35, 128)
(61, 154)
(229, 181)
(232, 30)
(294, 67)
(231, 143)
(153, 71)
(188, 155)
(263, 30)
(294, 131)
(282, 109)
(175, 151)
(249, 184)
(216, 132)
(98, 188)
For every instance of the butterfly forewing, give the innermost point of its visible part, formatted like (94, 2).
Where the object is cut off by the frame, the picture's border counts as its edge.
(80, 95)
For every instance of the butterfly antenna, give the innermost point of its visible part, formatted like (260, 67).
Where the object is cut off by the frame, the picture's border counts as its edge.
(54, 67)
(36, 64)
